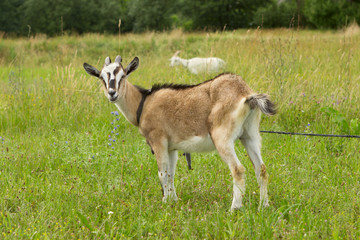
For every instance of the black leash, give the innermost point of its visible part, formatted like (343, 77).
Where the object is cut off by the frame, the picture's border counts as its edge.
(313, 134)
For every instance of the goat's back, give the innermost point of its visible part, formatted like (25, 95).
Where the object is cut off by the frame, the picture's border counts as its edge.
(182, 111)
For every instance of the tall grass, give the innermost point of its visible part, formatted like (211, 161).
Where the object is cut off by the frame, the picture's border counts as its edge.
(61, 177)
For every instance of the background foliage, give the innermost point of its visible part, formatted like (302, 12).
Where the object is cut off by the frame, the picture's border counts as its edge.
(24, 17)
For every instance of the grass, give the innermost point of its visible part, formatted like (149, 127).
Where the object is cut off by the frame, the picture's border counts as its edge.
(61, 179)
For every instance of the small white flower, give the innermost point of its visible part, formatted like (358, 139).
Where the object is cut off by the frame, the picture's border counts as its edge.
(110, 212)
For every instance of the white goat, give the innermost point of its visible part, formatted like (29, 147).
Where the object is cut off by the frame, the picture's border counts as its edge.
(198, 65)
(192, 118)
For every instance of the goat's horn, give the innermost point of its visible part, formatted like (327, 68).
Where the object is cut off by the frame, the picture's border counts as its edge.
(107, 61)
(177, 53)
(118, 59)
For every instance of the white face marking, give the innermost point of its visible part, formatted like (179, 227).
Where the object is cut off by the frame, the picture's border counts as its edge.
(112, 75)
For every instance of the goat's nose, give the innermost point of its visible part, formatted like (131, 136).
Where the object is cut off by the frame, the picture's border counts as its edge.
(111, 92)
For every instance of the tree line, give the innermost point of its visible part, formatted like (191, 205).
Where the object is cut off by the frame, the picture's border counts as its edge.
(56, 17)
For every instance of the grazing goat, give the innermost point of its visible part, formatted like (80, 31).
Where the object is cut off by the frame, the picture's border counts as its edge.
(192, 118)
(198, 65)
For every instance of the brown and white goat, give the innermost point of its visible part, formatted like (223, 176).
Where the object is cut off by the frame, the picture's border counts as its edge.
(192, 118)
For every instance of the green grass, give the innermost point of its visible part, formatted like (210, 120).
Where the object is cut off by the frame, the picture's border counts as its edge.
(60, 179)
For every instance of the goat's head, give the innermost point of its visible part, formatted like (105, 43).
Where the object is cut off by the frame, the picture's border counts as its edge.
(175, 60)
(113, 76)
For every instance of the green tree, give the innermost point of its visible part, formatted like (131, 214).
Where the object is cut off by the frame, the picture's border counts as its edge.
(213, 14)
(151, 14)
(276, 14)
(110, 19)
(331, 14)
(11, 15)
(76, 16)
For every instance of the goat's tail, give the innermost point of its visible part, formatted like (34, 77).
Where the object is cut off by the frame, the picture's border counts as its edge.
(263, 102)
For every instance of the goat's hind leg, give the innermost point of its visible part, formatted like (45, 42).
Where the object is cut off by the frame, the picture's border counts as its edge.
(252, 143)
(228, 155)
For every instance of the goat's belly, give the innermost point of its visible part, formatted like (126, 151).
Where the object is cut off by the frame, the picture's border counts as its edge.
(194, 144)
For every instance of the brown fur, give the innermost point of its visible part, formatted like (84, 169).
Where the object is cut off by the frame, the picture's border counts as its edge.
(238, 173)
(192, 111)
(263, 173)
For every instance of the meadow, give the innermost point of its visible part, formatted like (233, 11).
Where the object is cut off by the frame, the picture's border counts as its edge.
(72, 168)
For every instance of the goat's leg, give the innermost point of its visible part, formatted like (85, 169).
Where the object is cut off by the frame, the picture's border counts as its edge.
(162, 159)
(228, 155)
(173, 157)
(252, 144)
(166, 168)
(188, 159)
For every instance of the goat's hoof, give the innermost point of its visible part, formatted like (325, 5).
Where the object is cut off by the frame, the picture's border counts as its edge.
(170, 199)
(235, 208)
(173, 198)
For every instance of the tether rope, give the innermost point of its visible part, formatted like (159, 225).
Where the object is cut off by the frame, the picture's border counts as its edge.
(313, 134)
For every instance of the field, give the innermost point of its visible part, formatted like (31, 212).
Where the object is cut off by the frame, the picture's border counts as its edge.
(61, 177)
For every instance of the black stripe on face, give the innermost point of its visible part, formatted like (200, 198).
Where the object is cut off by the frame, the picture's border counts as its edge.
(111, 81)
(102, 80)
(112, 84)
(117, 70)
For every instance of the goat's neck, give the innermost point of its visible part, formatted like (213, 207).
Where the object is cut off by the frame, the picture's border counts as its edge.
(184, 62)
(129, 102)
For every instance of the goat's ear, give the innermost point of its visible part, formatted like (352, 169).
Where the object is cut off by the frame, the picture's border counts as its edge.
(107, 61)
(118, 59)
(132, 66)
(91, 70)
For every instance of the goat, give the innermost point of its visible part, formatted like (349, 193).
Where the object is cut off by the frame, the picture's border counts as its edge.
(192, 118)
(198, 65)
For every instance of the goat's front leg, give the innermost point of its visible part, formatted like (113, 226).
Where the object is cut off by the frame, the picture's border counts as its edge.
(166, 169)
(173, 157)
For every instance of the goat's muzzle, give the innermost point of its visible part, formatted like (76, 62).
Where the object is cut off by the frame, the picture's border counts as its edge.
(112, 95)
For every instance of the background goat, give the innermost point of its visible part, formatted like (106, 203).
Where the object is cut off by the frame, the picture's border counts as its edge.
(192, 118)
(198, 65)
